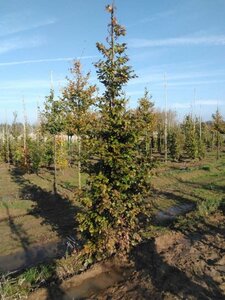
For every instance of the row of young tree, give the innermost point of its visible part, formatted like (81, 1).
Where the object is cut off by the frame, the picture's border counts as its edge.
(66, 128)
(114, 145)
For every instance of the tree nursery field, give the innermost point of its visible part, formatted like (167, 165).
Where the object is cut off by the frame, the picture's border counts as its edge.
(185, 207)
(102, 201)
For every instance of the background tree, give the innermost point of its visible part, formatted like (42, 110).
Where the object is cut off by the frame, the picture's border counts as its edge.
(145, 122)
(78, 97)
(218, 127)
(53, 123)
(201, 137)
(190, 145)
(160, 128)
(175, 142)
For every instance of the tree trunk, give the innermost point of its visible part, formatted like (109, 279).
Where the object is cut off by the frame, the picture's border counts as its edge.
(8, 146)
(217, 145)
(151, 147)
(79, 162)
(55, 169)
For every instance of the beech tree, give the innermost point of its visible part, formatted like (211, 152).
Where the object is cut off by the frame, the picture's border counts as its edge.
(116, 186)
(77, 98)
(53, 122)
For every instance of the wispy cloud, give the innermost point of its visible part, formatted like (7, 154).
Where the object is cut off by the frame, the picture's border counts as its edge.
(180, 105)
(19, 22)
(195, 83)
(20, 43)
(199, 103)
(178, 78)
(43, 60)
(212, 102)
(24, 84)
(156, 16)
(214, 40)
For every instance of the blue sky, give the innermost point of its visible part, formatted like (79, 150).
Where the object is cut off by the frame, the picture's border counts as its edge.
(183, 38)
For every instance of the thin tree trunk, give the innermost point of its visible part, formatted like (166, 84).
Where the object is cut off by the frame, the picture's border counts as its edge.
(55, 168)
(25, 146)
(151, 148)
(165, 143)
(218, 146)
(79, 163)
(25, 137)
(8, 146)
(166, 123)
(212, 142)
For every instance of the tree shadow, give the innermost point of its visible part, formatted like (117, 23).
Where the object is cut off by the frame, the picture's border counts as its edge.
(170, 279)
(19, 233)
(54, 209)
(207, 186)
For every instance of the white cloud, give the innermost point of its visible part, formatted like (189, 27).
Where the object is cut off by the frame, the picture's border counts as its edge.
(24, 84)
(135, 93)
(216, 40)
(19, 43)
(180, 78)
(201, 103)
(180, 105)
(195, 83)
(157, 16)
(42, 60)
(19, 22)
(211, 102)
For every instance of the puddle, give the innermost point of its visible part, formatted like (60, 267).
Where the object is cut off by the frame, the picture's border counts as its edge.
(85, 285)
(171, 213)
(32, 256)
(92, 285)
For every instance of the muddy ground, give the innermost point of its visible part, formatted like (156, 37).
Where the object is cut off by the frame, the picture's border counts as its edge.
(175, 265)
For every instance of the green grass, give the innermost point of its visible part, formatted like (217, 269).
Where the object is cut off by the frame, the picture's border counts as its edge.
(23, 205)
(19, 287)
(202, 183)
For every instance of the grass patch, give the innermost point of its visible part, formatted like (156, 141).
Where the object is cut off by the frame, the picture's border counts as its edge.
(19, 287)
(16, 204)
(208, 206)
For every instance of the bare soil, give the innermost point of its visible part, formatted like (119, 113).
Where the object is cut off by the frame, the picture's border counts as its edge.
(172, 266)
(178, 266)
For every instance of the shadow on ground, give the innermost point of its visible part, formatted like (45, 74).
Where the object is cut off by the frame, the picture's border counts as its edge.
(54, 209)
(171, 281)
